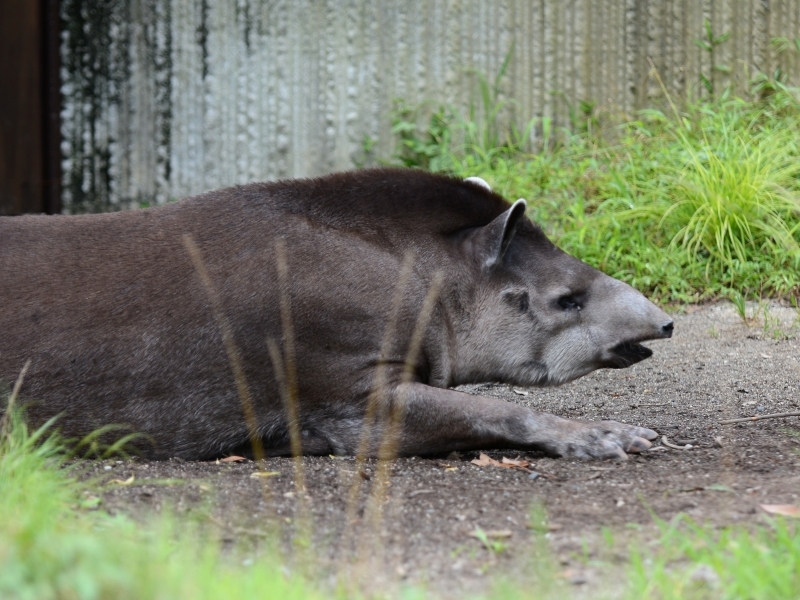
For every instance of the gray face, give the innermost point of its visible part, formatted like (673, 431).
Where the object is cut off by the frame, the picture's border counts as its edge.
(542, 317)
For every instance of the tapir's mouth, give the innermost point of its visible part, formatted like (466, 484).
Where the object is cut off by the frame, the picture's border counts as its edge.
(627, 354)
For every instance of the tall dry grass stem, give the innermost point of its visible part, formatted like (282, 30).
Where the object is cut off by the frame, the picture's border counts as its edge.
(234, 358)
(285, 367)
(235, 361)
(654, 72)
(377, 393)
(390, 443)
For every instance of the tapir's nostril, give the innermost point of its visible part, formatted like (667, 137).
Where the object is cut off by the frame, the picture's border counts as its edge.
(666, 329)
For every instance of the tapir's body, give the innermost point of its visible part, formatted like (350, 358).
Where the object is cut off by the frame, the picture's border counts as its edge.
(120, 328)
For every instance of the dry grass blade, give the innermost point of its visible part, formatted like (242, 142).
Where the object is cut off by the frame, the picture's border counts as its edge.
(285, 367)
(377, 392)
(290, 406)
(392, 433)
(228, 341)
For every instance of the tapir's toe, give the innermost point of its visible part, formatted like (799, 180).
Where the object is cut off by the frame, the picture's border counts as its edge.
(647, 434)
(637, 445)
(612, 451)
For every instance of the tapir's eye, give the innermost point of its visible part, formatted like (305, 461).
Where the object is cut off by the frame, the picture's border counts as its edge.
(570, 302)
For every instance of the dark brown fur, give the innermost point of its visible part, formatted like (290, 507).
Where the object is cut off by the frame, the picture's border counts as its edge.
(120, 330)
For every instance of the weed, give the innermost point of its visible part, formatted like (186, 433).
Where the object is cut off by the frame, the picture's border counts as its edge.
(739, 302)
(694, 561)
(773, 327)
(104, 443)
(494, 546)
(709, 43)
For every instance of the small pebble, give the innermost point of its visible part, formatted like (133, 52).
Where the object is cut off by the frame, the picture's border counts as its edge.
(533, 476)
(760, 409)
(107, 468)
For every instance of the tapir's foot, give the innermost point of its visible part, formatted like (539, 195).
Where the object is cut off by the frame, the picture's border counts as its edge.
(602, 439)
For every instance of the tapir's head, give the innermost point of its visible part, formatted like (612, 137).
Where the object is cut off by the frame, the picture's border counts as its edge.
(542, 317)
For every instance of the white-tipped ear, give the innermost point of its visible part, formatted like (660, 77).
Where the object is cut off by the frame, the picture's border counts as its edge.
(479, 181)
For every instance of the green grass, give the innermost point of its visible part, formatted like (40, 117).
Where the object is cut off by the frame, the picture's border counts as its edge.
(51, 547)
(686, 206)
(692, 561)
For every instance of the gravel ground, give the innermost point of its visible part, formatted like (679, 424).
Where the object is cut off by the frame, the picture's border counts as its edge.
(714, 368)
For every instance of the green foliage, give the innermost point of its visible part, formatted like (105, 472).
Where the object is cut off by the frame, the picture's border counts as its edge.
(53, 546)
(693, 561)
(709, 43)
(699, 205)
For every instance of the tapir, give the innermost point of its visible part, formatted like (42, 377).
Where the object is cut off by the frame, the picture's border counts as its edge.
(396, 286)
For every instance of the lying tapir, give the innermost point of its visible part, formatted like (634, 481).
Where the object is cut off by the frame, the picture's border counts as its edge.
(122, 328)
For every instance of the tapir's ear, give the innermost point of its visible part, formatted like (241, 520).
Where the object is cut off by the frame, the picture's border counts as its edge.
(480, 182)
(498, 234)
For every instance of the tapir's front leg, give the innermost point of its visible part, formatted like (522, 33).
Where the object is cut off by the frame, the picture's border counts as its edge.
(438, 420)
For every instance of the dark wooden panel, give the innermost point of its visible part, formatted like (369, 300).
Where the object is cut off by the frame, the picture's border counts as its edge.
(21, 152)
(51, 106)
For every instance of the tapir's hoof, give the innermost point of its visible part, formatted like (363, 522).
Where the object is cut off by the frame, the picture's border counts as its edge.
(605, 440)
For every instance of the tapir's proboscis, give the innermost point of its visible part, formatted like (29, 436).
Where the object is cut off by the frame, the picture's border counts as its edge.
(123, 325)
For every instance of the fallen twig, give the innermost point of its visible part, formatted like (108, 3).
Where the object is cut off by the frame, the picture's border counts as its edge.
(667, 443)
(760, 417)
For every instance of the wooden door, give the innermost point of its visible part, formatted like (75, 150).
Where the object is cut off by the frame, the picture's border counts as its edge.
(29, 107)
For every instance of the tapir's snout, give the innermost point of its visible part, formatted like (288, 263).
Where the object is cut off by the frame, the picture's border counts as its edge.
(666, 329)
(628, 319)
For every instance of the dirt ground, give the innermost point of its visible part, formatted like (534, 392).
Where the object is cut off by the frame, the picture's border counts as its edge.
(715, 367)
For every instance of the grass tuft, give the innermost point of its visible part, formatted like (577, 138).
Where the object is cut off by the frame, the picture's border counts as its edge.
(695, 561)
(51, 548)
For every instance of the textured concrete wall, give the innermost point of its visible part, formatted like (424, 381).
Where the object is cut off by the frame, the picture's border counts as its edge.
(166, 98)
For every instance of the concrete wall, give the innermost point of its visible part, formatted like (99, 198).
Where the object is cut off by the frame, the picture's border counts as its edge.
(167, 98)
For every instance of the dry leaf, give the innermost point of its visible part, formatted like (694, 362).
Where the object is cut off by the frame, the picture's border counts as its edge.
(264, 474)
(787, 510)
(521, 392)
(486, 461)
(128, 481)
(232, 459)
(515, 462)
